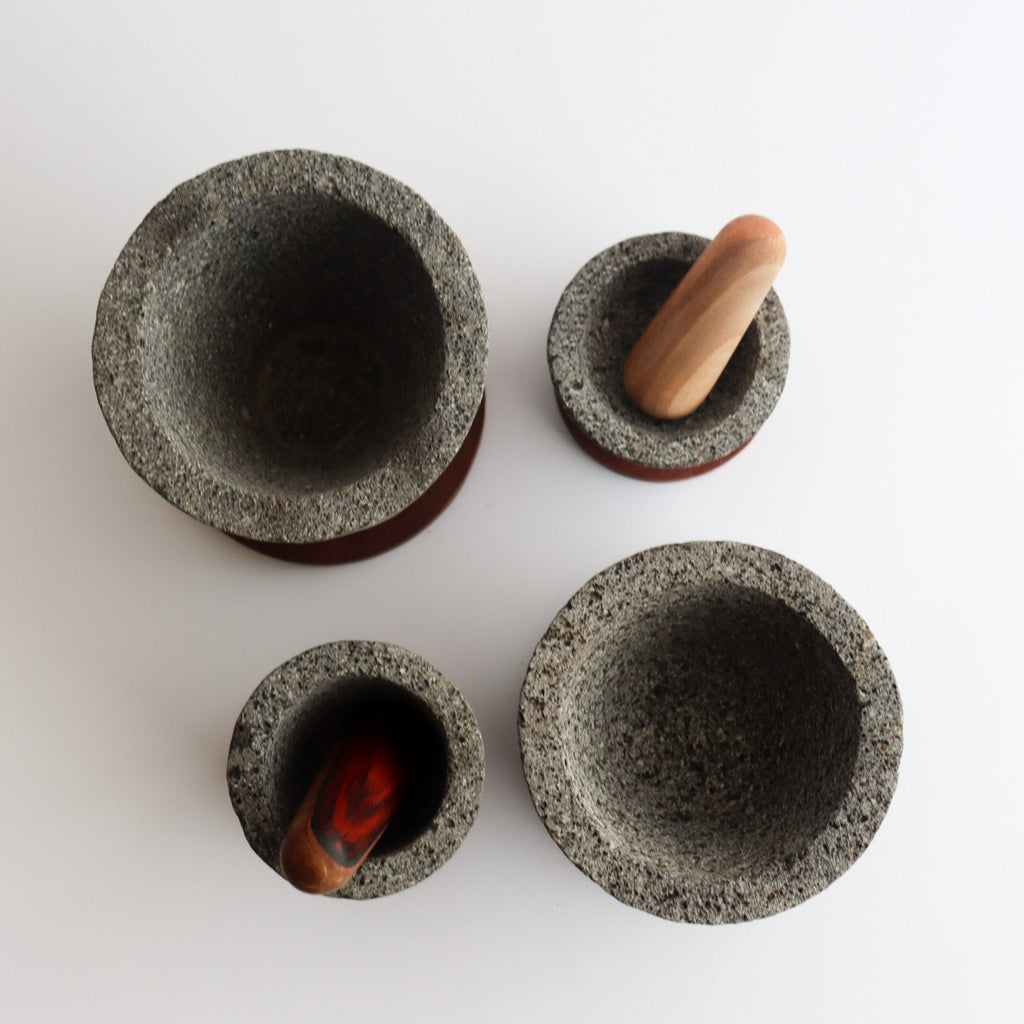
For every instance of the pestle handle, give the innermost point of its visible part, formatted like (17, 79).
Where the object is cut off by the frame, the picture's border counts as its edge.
(344, 812)
(675, 364)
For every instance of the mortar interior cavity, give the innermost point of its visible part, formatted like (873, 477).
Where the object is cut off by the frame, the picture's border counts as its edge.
(619, 317)
(294, 344)
(715, 731)
(337, 710)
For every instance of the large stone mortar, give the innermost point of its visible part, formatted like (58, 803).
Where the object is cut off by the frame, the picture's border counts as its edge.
(292, 348)
(295, 716)
(600, 317)
(710, 732)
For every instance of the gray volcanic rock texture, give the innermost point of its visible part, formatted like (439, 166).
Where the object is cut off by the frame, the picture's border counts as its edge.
(710, 732)
(598, 320)
(295, 716)
(291, 347)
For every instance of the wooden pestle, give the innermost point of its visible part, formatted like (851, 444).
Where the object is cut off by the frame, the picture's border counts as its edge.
(675, 364)
(344, 812)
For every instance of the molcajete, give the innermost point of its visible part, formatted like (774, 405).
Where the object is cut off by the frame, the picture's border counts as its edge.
(710, 732)
(599, 318)
(292, 348)
(298, 713)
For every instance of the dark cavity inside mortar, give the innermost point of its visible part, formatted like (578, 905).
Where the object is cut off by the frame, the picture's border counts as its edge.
(718, 731)
(620, 316)
(293, 344)
(339, 711)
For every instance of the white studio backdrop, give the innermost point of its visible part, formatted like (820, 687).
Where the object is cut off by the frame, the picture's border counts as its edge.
(883, 137)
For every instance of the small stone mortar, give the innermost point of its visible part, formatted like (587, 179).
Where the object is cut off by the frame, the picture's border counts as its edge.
(598, 320)
(710, 732)
(294, 717)
(292, 348)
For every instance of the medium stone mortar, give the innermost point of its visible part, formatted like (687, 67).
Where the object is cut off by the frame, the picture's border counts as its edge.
(599, 319)
(710, 732)
(292, 348)
(295, 716)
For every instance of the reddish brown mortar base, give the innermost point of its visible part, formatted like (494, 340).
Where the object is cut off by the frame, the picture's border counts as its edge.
(399, 528)
(627, 468)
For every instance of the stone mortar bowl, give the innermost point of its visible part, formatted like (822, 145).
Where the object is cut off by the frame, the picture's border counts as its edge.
(710, 732)
(599, 319)
(292, 348)
(293, 718)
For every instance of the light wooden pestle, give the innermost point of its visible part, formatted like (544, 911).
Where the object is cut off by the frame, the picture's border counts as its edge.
(344, 813)
(675, 364)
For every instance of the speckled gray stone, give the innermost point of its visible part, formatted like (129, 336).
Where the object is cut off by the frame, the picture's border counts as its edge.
(599, 319)
(297, 714)
(710, 732)
(291, 347)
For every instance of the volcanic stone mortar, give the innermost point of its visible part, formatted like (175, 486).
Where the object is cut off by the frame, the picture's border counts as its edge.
(296, 715)
(710, 732)
(291, 347)
(599, 319)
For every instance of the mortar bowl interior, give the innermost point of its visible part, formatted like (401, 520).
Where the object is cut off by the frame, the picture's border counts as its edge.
(717, 731)
(294, 345)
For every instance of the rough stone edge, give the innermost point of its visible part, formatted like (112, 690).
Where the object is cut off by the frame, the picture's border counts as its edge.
(168, 468)
(642, 440)
(252, 765)
(643, 883)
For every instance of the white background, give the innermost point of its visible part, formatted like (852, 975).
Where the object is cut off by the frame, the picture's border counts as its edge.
(885, 138)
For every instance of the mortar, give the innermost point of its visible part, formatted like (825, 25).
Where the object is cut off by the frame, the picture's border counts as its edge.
(292, 348)
(298, 712)
(599, 318)
(710, 732)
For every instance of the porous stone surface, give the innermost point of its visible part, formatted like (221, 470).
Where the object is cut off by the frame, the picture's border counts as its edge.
(598, 320)
(710, 732)
(291, 347)
(295, 716)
